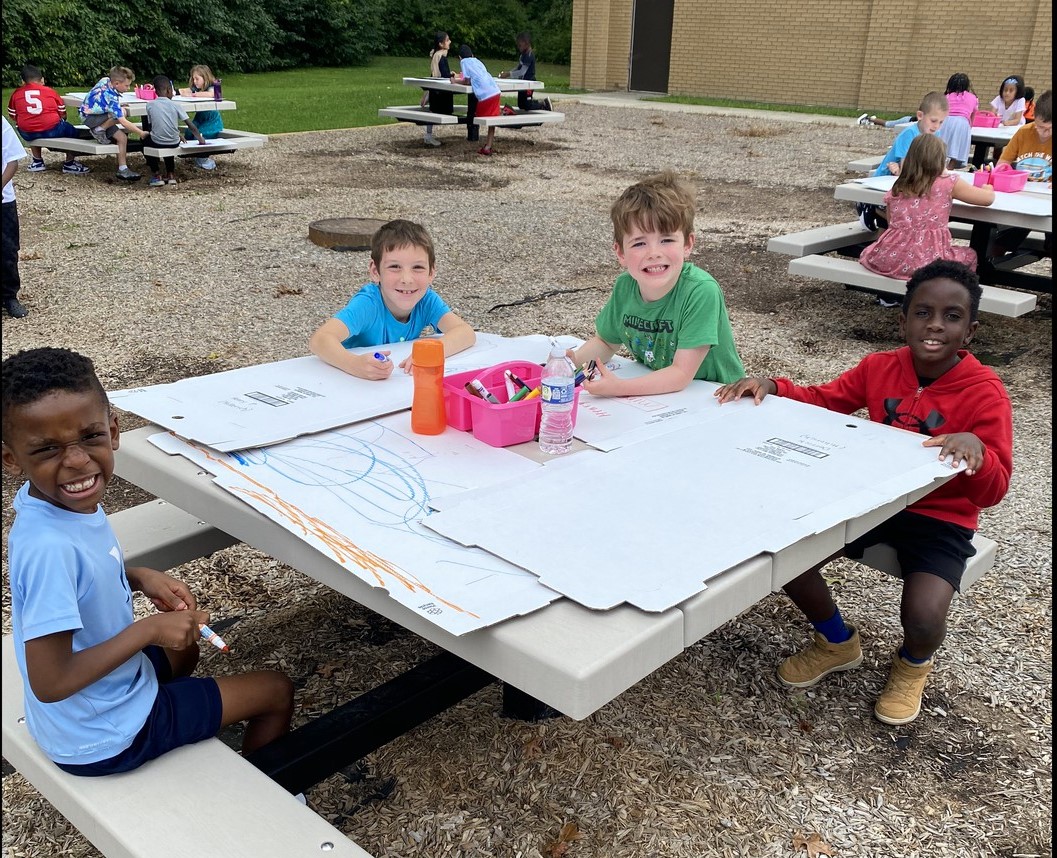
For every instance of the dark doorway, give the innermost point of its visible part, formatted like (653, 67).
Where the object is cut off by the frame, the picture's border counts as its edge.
(651, 45)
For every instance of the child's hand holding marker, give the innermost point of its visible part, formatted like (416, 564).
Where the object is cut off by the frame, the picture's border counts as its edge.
(376, 366)
(602, 381)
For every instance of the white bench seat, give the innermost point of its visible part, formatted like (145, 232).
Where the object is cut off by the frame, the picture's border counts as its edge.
(821, 239)
(1002, 302)
(521, 119)
(80, 145)
(419, 115)
(230, 140)
(865, 165)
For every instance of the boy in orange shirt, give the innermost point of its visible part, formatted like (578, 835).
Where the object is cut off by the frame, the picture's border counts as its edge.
(39, 114)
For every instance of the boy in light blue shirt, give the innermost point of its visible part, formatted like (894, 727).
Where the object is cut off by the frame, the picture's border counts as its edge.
(930, 116)
(104, 692)
(397, 306)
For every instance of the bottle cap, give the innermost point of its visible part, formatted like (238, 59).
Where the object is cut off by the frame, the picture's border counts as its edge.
(427, 353)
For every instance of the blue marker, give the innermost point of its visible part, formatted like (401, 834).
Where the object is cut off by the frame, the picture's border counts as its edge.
(380, 356)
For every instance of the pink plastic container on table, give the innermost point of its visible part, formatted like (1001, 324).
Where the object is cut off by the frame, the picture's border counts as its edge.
(1009, 181)
(986, 120)
(497, 425)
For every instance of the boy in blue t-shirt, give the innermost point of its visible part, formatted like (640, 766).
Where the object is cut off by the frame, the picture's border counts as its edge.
(931, 113)
(398, 305)
(104, 692)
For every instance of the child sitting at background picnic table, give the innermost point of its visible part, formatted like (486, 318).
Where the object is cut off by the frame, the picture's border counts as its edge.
(165, 116)
(957, 130)
(40, 114)
(1009, 104)
(485, 90)
(1030, 150)
(918, 208)
(104, 692)
(526, 70)
(931, 114)
(398, 305)
(666, 311)
(105, 117)
(208, 122)
(933, 386)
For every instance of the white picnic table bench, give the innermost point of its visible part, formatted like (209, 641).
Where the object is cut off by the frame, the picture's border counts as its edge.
(201, 799)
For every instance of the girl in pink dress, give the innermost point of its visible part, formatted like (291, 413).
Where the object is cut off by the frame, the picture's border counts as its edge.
(919, 207)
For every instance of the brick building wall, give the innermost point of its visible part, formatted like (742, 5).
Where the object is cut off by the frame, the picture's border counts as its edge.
(881, 55)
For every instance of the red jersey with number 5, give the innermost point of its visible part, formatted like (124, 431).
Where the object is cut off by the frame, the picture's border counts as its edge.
(34, 107)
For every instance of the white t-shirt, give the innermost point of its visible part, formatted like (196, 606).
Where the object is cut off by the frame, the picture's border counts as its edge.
(1005, 113)
(13, 151)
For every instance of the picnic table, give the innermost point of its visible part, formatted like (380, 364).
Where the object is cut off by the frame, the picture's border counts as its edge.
(438, 112)
(563, 655)
(230, 139)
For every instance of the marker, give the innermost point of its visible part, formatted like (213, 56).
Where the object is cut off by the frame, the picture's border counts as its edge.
(209, 635)
(471, 389)
(380, 356)
(532, 394)
(511, 389)
(592, 369)
(518, 381)
(579, 379)
(521, 394)
(482, 391)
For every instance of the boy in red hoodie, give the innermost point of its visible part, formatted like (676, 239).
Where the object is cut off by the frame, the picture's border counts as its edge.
(934, 386)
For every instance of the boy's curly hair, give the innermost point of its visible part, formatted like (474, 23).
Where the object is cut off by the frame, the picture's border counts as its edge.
(950, 270)
(662, 202)
(32, 374)
(401, 233)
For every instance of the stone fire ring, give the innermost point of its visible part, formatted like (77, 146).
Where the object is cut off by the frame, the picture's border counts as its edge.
(344, 233)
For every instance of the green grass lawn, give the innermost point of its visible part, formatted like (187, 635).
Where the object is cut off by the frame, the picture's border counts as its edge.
(319, 99)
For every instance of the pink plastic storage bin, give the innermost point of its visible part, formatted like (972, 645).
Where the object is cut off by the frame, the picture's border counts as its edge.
(498, 425)
(981, 178)
(985, 120)
(1009, 181)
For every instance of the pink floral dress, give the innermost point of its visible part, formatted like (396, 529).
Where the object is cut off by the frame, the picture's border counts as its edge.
(917, 233)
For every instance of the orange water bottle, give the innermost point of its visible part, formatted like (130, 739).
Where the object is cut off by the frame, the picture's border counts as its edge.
(427, 405)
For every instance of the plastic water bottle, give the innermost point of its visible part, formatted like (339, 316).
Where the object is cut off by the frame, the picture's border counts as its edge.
(557, 397)
(428, 416)
(216, 89)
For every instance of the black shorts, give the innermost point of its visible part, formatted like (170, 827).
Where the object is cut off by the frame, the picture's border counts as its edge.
(922, 544)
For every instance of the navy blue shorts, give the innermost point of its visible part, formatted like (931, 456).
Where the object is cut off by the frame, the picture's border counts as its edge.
(922, 544)
(187, 710)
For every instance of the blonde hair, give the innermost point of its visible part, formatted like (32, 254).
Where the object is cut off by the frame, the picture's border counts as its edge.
(205, 72)
(934, 102)
(662, 202)
(122, 73)
(401, 233)
(924, 163)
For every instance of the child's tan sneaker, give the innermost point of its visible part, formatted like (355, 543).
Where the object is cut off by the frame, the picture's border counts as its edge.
(820, 659)
(900, 702)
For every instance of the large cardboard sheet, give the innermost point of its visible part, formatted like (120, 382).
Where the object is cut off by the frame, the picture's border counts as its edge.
(358, 495)
(259, 405)
(650, 522)
(610, 422)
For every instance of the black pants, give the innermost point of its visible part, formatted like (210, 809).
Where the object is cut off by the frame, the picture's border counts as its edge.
(525, 101)
(9, 261)
(155, 164)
